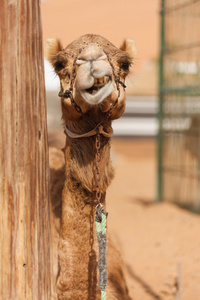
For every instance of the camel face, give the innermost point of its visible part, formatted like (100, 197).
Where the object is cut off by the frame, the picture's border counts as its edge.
(94, 75)
(90, 65)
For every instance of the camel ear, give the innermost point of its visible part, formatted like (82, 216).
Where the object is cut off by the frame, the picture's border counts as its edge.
(129, 47)
(53, 46)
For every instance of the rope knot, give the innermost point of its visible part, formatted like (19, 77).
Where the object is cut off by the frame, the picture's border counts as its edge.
(99, 212)
(117, 79)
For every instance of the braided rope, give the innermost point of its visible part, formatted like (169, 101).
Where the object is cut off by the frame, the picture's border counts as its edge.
(103, 295)
(100, 221)
(103, 224)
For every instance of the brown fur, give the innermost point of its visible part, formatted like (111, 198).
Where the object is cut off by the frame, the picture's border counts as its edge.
(117, 288)
(78, 249)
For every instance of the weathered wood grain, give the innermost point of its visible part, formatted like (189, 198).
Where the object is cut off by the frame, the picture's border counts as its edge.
(25, 264)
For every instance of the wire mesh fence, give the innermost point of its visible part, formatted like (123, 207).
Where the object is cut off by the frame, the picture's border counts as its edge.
(179, 134)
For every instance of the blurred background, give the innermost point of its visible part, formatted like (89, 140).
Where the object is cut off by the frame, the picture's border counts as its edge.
(156, 143)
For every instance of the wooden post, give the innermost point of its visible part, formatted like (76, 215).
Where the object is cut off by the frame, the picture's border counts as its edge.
(25, 262)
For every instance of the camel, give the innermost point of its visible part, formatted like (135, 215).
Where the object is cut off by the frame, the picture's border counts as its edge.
(92, 74)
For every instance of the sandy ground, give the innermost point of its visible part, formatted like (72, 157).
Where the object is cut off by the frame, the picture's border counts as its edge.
(159, 242)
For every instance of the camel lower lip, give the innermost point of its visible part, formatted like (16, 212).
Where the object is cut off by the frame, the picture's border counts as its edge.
(97, 92)
(95, 88)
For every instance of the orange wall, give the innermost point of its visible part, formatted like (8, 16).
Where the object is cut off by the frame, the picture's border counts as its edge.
(114, 19)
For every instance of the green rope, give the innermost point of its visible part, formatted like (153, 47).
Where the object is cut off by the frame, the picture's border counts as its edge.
(103, 295)
(103, 224)
(98, 226)
(101, 236)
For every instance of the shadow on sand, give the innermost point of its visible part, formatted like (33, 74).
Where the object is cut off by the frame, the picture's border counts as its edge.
(143, 284)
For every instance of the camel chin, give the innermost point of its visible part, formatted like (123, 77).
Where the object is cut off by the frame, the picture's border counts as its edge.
(97, 92)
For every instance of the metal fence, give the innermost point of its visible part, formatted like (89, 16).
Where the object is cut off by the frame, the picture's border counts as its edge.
(179, 130)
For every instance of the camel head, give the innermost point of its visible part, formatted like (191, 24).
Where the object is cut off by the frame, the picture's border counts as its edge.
(95, 70)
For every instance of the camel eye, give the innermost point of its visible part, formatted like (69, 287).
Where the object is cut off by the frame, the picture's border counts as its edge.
(125, 66)
(124, 63)
(59, 65)
(59, 62)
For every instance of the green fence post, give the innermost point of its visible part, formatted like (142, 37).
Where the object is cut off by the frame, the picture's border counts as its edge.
(160, 114)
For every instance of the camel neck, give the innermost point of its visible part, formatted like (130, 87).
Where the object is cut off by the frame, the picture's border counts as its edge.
(80, 165)
(78, 246)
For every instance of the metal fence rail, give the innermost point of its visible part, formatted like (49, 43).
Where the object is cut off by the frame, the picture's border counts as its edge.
(179, 121)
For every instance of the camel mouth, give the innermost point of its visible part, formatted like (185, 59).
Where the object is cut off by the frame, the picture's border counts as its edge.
(102, 87)
(99, 83)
